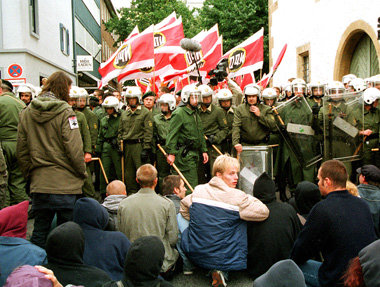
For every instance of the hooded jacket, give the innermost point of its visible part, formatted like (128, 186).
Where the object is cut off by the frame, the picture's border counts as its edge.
(369, 258)
(104, 249)
(217, 236)
(271, 240)
(15, 250)
(65, 248)
(143, 264)
(49, 147)
(371, 195)
(306, 195)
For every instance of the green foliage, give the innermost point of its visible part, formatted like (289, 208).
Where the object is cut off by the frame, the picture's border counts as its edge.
(144, 13)
(237, 19)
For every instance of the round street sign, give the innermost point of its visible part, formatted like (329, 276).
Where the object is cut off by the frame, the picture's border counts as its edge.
(14, 70)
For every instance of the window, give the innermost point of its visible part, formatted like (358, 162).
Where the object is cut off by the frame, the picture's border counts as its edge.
(33, 18)
(64, 39)
(86, 41)
(306, 68)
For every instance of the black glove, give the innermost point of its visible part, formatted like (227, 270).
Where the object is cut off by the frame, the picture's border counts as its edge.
(315, 108)
(211, 139)
(145, 156)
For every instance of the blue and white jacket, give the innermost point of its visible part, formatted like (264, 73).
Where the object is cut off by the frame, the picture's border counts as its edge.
(217, 237)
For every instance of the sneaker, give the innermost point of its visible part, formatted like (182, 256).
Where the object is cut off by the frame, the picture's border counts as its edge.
(218, 279)
(187, 272)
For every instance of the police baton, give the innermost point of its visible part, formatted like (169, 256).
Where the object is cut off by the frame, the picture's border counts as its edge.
(176, 168)
(102, 168)
(122, 159)
(360, 146)
(215, 148)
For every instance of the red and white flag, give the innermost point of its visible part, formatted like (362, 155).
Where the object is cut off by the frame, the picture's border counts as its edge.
(266, 78)
(135, 53)
(185, 62)
(246, 57)
(244, 80)
(166, 42)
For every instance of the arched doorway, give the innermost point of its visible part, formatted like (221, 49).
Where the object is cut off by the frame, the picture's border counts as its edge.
(358, 52)
(364, 61)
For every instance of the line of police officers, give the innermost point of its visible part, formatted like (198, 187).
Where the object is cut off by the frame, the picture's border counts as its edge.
(329, 123)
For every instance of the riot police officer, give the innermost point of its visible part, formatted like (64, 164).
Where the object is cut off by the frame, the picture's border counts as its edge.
(185, 140)
(253, 121)
(107, 143)
(136, 131)
(215, 128)
(224, 97)
(161, 122)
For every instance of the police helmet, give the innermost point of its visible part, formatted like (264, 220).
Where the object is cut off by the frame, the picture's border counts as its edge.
(348, 78)
(168, 99)
(26, 88)
(189, 90)
(269, 94)
(133, 92)
(111, 102)
(371, 95)
(299, 85)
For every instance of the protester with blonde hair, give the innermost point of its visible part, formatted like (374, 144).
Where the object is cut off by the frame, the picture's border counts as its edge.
(217, 212)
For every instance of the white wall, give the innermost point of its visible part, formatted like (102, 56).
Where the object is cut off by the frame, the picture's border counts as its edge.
(320, 23)
(16, 33)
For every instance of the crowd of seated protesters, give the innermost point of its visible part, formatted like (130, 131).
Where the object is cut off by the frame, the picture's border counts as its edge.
(326, 235)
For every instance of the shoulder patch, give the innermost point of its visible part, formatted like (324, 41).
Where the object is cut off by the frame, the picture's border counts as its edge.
(73, 121)
(150, 124)
(225, 121)
(95, 126)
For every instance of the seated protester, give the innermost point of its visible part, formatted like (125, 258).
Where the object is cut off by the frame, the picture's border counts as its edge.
(216, 238)
(284, 273)
(271, 240)
(369, 190)
(337, 227)
(15, 250)
(143, 264)
(352, 188)
(65, 248)
(364, 270)
(31, 276)
(115, 193)
(103, 249)
(146, 213)
(173, 187)
(306, 195)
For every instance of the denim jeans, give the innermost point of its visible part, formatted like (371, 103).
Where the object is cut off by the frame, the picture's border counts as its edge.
(182, 225)
(310, 272)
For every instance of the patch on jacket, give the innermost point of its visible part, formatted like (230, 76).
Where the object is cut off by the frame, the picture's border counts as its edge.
(73, 122)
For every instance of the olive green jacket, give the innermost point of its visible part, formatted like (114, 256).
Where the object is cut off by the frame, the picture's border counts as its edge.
(3, 179)
(108, 131)
(84, 132)
(214, 123)
(93, 124)
(185, 129)
(10, 107)
(160, 128)
(137, 125)
(49, 147)
(248, 128)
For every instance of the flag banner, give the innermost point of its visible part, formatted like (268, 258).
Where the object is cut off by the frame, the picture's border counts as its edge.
(133, 54)
(186, 62)
(266, 78)
(166, 42)
(244, 80)
(246, 57)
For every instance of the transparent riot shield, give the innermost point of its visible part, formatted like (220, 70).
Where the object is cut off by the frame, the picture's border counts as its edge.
(343, 120)
(294, 122)
(254, 160)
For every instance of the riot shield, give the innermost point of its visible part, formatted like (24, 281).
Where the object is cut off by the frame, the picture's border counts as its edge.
(294, 122)
(254, 160)
(343, 119)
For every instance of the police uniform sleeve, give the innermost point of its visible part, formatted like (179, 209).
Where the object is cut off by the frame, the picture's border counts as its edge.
(148, 131)
(100, 139)
(22, 149)
(174, 129)
(121, 127)
(236, 127)
(236, 92)
(222, 132)
(267, 118)
(73, 145)
(93, 124)
(201, 133)
(87, 146)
